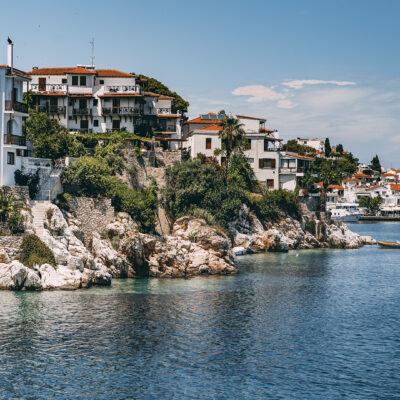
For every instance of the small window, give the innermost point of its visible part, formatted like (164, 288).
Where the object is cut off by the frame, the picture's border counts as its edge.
(248, 144)
(96, 123)
(266, 163)
(10, 158)
(208, 144)
(95, 102)
(270, 183)
(250, 160)
(84, 124)
(101, 81)
(83, 81)
(74, 81)
(63, 81)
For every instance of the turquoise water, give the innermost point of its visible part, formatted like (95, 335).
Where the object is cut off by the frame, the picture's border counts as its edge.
(318, 324)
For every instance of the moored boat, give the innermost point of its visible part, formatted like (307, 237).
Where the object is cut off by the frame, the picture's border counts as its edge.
(389, 245)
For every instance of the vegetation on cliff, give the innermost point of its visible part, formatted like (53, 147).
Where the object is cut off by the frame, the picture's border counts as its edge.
(35, 252)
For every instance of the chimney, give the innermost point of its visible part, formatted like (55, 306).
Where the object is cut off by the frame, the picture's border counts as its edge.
(10, 60)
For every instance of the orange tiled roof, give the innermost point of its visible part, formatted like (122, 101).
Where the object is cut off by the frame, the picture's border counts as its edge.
(60, 71)
(394, 186)
(168, 115)
(299, 156)
(389, 174)
(121, 95)
(160, 96)
(247, 117)
(265, 130)
(213, 127)
(339, 187)
(361, 176)
(372, 187)
(112, 73)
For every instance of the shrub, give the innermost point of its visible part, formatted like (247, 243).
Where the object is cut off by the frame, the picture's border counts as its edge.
(31, 180)
(310, 226)
(34, 251)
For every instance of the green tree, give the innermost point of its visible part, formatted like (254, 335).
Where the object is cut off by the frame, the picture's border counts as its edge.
(339, 149)
(231, 135)
(328, 148)
(241, 173)
(155, 86)
(375, 164)
(50, 139)
(372, 204)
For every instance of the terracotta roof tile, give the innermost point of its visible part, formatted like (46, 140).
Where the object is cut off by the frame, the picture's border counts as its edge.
(213, 127)
(299, 156)
(394, 187)
(112, 73)
(60, 71)
(247, 117)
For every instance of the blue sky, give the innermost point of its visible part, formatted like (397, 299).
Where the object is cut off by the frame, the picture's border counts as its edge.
(313, 68)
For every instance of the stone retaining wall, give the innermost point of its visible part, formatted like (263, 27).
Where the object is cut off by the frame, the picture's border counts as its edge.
(93, 215)
(11, 245)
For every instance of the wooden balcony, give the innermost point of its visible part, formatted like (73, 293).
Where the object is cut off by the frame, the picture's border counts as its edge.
(15, 140)
(49, 88)
(16, 106)
(51, 109)
(121, 111)
(81, 111)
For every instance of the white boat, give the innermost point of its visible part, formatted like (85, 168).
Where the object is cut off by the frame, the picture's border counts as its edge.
(346, 212)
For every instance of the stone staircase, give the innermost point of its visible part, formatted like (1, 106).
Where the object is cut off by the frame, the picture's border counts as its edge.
(38, 209)
(48, 183)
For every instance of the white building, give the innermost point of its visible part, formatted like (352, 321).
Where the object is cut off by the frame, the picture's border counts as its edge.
(85, 99)
(272, 167)
(318, 145)
(12, 114)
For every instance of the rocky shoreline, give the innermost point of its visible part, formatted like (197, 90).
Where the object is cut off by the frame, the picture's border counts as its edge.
(118, 250)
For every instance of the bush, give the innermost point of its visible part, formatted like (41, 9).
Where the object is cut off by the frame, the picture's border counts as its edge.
(192, 185)
(310, 226)
(31, 180)
(34, 251)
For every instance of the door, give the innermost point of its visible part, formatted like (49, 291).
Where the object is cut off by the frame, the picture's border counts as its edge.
(42, 84)
(53, 104)
(82, 106)
(84, 125)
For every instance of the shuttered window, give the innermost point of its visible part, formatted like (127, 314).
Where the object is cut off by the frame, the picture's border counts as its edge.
(267, 163)
(208, 144)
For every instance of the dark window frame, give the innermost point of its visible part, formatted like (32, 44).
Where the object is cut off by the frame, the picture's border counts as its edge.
(10, 158)
(208, 143)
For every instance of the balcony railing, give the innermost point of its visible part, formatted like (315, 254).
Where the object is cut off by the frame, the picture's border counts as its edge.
(123, 89)
(170, 128)
(121, 110)
(16, 106)
(14, 139)
(163, 111)
(51, 88)
(51, 109)
(291, 170)
(81, 111)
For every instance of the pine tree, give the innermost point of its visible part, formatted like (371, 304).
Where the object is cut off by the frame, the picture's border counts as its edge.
(328, 148)
(375, 164)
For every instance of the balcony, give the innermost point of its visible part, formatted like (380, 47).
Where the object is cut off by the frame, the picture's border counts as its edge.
(51, 109)
(81, 111)
(170, 128)
(49, 88)
(292, 170)
(16, 106)
(121, 111)
(164, 111)
(15, 140)
(123, 89)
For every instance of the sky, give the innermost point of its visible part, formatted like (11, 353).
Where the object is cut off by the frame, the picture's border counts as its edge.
(314, 69)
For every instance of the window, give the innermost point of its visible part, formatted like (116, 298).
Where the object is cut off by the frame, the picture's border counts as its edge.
(84, 124)
(10, 158)
(266, 163)
(248, 144)
(74, 81)
(270, 183)
(250, 160)
(96, 123)
(83, 80)
(95, 102)
(116, 124)
(101, 81)
(288, 163)
(208, 144)
(15, 94)
(63, 81)
(268, 145)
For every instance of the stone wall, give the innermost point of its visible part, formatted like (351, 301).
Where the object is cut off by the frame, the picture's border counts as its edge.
(20, 192)
(11, 245)
(92, 215)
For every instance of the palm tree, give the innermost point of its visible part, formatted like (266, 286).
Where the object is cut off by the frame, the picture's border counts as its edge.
(231, 136)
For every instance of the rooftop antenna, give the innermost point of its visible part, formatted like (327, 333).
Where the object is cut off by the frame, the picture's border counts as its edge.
(92, 56)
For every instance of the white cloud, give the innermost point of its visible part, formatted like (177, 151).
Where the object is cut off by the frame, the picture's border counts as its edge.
(286, 104)
(258, 93)
(299, 84)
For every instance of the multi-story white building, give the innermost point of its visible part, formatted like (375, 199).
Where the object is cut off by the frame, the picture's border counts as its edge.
(86, 99)
(12, 114)
(272, 167)
(318, 145)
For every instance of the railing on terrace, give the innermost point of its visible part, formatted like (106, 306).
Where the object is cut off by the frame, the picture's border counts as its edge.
(291, 170)
(51, 109)
(51, 88)
(170, 128)
(123, 89)
(16, 106)
(163, 111)
(121, 110)
(34, 163)
(14, 139)
(81, 111)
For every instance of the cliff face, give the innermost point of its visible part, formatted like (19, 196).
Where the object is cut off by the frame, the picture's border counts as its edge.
(250, 235)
